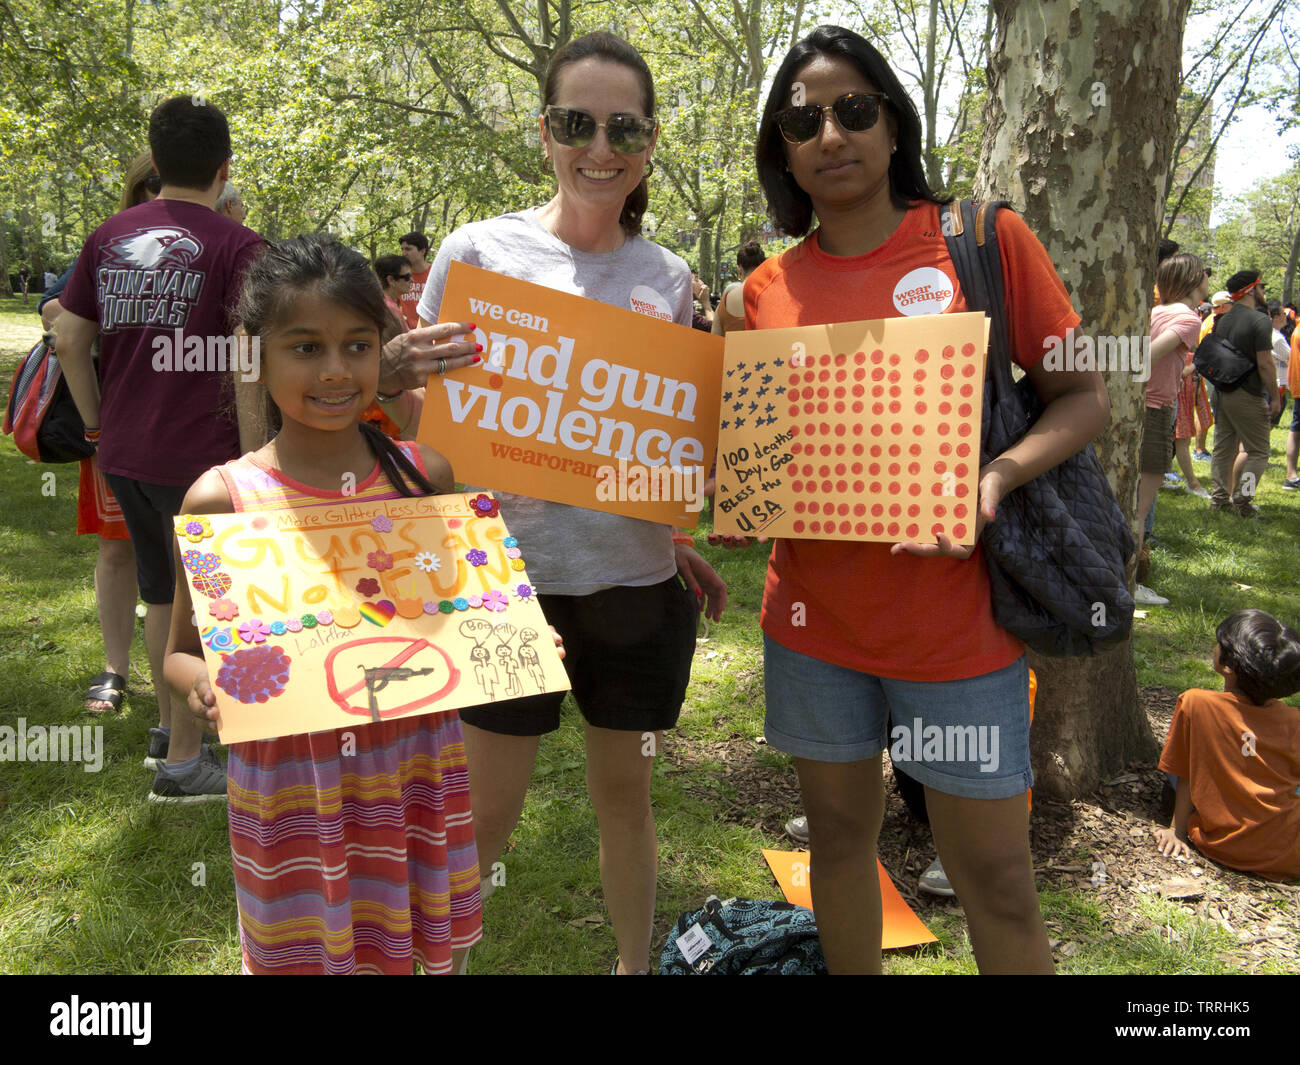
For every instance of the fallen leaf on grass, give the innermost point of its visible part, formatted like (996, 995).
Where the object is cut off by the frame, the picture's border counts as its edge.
(1139, 613)
(593, 920)
(1243, 587)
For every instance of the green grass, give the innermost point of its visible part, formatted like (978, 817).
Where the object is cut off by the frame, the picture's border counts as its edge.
(94, 879)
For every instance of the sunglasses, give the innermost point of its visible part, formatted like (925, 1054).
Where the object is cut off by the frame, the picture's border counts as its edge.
(856, 112)
(403, 277)
(627, 134)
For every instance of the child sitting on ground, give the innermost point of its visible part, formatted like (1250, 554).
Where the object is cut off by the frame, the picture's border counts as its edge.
(1236, 754)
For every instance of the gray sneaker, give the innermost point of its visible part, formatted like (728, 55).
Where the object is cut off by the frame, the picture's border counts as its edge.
(206, 782)
(158, 743)
(797, 829)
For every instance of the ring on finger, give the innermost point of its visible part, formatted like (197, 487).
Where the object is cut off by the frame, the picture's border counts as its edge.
(442, 367)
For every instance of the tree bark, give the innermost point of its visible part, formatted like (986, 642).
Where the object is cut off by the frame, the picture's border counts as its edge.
(1079, 124)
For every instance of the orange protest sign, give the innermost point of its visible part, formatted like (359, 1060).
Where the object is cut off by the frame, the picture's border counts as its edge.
(327, 616)
(576, 401)
(857, 431)
(900, 927)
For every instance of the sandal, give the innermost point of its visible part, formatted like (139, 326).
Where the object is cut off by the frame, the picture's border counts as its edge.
(105, 688)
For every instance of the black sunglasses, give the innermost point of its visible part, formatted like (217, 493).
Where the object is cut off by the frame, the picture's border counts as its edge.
(627, 134)
(856, 112)
(403, 277)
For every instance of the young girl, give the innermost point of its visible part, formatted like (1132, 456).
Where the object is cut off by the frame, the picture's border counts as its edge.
(346, 860)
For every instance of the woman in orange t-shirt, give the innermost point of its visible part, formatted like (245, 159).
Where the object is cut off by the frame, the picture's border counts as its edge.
(862, 635)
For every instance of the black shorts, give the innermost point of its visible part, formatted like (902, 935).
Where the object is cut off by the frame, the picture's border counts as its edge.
(628, 654)
(148, 510)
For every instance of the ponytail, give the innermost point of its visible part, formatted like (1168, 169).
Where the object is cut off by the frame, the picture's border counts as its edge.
(401, 472)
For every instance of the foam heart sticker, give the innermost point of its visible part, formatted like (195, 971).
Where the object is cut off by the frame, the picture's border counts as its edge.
(380, 613)
(213, 585)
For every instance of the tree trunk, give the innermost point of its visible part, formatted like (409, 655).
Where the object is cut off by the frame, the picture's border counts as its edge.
(1288, 282)
(1080, 120)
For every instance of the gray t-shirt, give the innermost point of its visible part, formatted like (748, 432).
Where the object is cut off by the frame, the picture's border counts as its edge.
(571, 550)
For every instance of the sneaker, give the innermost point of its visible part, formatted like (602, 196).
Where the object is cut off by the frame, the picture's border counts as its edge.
(1201, 456)
(797, 829)
(1247, 510)
(158, 742)
(1173, 478)
(1200, 493)
(1144, 596)
(935, 881)
(206, 782)
(1292, 484)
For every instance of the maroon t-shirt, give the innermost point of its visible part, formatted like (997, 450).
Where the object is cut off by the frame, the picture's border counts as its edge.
(154, 277)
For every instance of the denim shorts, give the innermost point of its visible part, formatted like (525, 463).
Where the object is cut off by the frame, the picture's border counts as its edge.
(962, 737)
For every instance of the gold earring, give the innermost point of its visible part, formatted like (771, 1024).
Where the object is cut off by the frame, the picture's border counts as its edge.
(649, 167)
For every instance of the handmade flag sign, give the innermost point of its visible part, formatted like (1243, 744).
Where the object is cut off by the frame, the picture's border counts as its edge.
(577, 401)
(323, 617)
(859, 431)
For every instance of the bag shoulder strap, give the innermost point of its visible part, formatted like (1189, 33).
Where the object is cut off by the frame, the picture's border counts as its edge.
(970, 231)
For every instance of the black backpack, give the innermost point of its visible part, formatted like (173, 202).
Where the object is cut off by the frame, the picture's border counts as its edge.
(1058, 552)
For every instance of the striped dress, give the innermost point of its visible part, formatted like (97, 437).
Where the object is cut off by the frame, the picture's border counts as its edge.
(356, 858)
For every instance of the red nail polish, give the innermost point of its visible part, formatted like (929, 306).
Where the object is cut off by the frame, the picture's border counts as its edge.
(472, 326)
(478, 347)
(477, 359)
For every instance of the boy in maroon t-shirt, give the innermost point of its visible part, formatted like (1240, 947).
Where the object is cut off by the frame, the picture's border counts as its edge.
(157, 284)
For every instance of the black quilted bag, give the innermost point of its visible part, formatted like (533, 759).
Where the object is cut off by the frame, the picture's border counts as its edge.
(746, 937)
(1058, 552)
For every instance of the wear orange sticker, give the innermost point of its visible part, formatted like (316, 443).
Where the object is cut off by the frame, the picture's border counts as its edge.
(576, 401)
(857, 431)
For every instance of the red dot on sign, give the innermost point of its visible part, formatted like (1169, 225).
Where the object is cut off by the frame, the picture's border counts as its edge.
(945, 449)
(940, 510)
(824, 471)
(913, 511)
(841, 486)
(944, 428)
(859, 509)
(895, 407)
(856, 468)
(877, 409)
(822, 407)
(876, 430)
(839, 448)
(963, 450)
(860, 528)
(893, 528)
(936, 529)
(839, 393)
(846, 527)
(896, 428)
(940, 467)
(841, 375)
(826, 429)
(922, 355)
(963, 429)
(913, 531)
(920, 408)
(894, 467)
(968, 390)
(894, 377)
(798, 526)
(842, 509)
(877, 391)
(858, 449)
(858, 428)
(795, 448)
(794, 410)
(895, 359)
(947, 372)
(807, 393)
(815, 526)
(914, 449)
(936, 489)
(918, 375)
(825, 375)
(826, 360)
(968, 349)
(797, 485)
(859, 374)
(814, 508)
(919, 390)
(807, 471)
(913, 468)
(877, 355)
(959, 510)
(794, 430)
(800, 506)
(895, 451)
(962, 491)
(794, 378)
(949, 352)
(945, 409)
(877, 529)
(827, 487)
(915, 489)
(857, 406)
(877, 509)
(495, 381)
(894, 488)
(839, 409)
(959, 532)
(960, 469)
(895, 509)
(878, 374)
(895, 391)
(810, 376)
(968, 370)
(810, 429)
(918, 429)
(823, 392)
(946, 390)
(839, 469)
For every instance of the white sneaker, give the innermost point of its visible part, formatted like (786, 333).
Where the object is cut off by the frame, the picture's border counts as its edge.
(1199, 492)
(1144, 596)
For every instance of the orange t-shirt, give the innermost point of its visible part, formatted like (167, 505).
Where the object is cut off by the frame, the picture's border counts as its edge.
(1247, 808)
(1293, 369)
(851, 603)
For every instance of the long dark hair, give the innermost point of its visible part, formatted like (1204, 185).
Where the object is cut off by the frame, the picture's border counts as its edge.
(320, 263)
(612, 49)
(789, 206)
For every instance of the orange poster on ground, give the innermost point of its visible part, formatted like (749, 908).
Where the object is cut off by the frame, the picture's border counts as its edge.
(900, 927)
(339, 614)
(857, 431)
(576, 401)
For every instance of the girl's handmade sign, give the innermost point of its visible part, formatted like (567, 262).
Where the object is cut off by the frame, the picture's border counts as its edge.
(322, 617)
(858, 431)
(576, 401)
